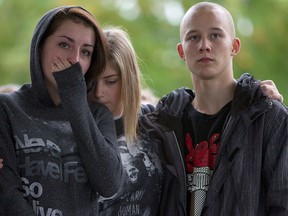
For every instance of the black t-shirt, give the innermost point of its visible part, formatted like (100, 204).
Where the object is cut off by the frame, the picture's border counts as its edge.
(142, 184)
(202, 134)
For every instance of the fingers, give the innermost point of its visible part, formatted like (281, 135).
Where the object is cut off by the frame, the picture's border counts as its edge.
(267, 82)
(269, 89)
(59, 64)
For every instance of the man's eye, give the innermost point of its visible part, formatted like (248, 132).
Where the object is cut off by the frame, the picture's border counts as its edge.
(194, 37)
(215, 35)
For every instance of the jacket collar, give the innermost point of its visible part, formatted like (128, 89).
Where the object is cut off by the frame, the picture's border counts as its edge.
(174, 103)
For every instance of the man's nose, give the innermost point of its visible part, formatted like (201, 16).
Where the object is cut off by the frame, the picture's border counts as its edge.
(204, 45)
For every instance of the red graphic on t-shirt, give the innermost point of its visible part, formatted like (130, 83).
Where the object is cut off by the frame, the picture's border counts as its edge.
(204, 154)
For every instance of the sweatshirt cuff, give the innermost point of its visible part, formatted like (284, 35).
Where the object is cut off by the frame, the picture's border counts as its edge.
(70, 77)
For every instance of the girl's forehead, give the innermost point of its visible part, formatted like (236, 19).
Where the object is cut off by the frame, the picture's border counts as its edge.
(110, 71)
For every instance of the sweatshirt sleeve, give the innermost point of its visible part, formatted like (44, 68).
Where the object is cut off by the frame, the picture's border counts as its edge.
(94, 131)
(12, 201)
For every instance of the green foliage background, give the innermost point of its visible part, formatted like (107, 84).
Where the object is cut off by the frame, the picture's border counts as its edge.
(264, 51)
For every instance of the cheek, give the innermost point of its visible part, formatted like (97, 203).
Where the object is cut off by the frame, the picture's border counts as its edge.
(46, 62)
(116, 97)
(85, 64)
(119, 98)
(190, 52)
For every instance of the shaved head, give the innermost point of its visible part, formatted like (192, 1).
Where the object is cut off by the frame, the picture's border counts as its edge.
(207, 6)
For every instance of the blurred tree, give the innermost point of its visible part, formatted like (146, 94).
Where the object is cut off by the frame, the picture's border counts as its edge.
(153, 26)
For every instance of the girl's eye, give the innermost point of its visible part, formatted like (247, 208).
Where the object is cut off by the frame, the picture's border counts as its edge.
(111, 82)
(86, 53)
(64, 45)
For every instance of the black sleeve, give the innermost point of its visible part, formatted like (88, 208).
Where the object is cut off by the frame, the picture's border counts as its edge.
(94, 131)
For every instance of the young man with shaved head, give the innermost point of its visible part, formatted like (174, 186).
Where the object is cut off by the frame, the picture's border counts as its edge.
(226, 143)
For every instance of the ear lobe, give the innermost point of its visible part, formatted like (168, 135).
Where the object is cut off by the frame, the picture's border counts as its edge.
(180, 51)
(236, 46)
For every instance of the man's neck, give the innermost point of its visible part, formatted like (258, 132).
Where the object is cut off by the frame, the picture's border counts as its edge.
(212, 96)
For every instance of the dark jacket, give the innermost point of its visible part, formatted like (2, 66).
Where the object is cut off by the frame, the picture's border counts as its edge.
(56, 158)
(251, 172)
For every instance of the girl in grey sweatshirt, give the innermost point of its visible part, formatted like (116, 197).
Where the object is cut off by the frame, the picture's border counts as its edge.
(59, 153)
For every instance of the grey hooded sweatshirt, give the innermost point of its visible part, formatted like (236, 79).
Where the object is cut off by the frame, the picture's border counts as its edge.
(57, 159)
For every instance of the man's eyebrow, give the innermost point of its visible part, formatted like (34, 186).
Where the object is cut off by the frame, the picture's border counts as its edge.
(72, 40)
(191, 31)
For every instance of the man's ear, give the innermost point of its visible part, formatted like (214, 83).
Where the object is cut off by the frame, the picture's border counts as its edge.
(180, 51)
(236, 46)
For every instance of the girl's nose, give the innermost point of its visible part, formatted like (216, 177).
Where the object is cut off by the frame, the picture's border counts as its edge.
(99, 90)
(74, 57)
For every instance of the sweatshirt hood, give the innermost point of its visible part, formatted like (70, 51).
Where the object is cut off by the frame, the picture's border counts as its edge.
(37, 79)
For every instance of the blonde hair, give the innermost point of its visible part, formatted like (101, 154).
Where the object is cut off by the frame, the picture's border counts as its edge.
(122, 54)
